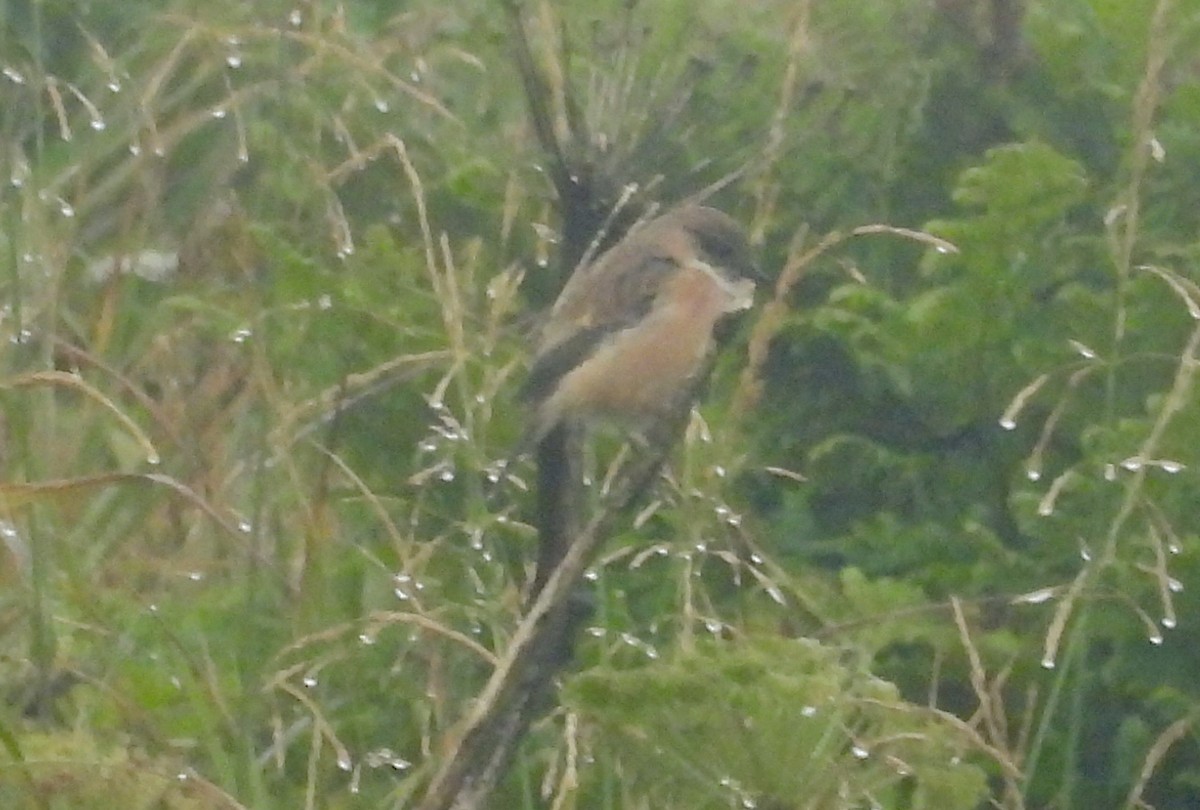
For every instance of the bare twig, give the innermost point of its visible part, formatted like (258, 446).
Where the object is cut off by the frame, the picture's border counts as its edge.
(503, 709)
(537, 93)
(1170, 735)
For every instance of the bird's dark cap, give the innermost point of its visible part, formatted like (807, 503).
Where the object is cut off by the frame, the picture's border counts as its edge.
(720, 237)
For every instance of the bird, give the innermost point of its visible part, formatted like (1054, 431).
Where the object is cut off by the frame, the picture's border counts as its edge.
(630, 331)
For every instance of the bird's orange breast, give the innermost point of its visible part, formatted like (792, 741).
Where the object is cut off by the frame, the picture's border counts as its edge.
(641, 372)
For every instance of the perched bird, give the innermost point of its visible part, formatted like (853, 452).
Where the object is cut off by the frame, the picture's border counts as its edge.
(629, 332)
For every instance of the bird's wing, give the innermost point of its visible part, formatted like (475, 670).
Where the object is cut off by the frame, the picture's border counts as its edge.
(614, 295)
(619, 287)
(550, 366)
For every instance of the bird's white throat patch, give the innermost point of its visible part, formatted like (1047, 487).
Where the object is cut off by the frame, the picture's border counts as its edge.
(739, 292)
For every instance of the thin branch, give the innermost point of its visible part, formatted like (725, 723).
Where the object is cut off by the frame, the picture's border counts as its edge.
(1170, 735)
(536, 94)
(502, 709)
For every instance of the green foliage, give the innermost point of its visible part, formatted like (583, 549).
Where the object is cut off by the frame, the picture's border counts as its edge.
(267, 276)
(770, 723)
(72, 770)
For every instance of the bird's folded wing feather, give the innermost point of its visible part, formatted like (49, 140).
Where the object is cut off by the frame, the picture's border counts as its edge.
(619, 289)
(552, 364)
(611, 298)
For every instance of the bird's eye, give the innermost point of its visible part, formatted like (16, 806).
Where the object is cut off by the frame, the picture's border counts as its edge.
(727, 250)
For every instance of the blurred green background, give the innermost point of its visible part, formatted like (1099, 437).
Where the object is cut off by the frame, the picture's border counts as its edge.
(267, 278)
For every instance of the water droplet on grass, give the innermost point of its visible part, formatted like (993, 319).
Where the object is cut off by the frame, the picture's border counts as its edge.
(1036, 597)
(1157, 150)
(1083, 350)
